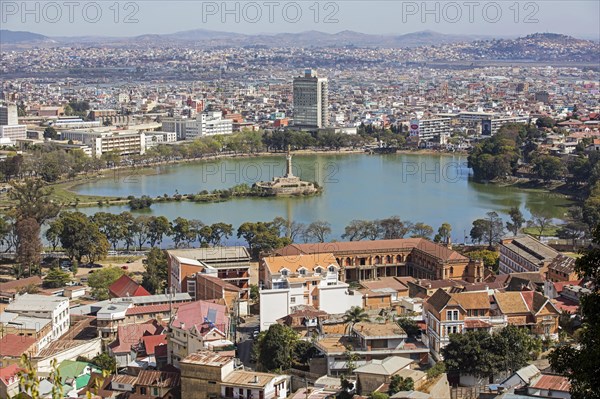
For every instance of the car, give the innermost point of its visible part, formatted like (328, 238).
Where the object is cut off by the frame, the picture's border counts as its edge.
(255, 334)
(125, 267)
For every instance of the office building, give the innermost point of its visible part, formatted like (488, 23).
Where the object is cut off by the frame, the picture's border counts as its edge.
(311, 101)
(9, 115)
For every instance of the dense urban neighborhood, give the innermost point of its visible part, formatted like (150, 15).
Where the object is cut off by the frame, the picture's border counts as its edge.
(173, 293)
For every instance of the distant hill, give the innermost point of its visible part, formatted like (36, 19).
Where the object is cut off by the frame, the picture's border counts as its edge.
(14, 37)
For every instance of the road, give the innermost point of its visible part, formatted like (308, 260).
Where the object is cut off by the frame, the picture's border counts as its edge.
(245, 341)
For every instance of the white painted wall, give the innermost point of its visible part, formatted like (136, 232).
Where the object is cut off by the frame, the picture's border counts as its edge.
(274, 304)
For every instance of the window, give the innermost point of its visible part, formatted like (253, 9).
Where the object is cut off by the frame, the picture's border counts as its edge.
(143, 390)
(302, 272)
(293, 299)
(284, 272)
(331, 269)
(452, 315)
(314, 297)
(314, 283)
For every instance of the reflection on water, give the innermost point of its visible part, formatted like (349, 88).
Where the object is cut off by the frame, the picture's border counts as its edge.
(429, 188)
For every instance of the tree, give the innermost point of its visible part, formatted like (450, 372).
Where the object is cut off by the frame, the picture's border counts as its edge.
(540, 223)
(105, 362)
(361, 229)
(220, 231)
(421, 230)
(154, 278)
(29, 245)
(516, 220)
(181, 231)
(33, 200)
(318, 231)
(497, 157)
(276, 348)
(548, 167)
(544, 121)
(56, 278)
(261, 237)
(444, 234)
(80, 237)
(354, 315)
(489, 258)
(141, 230)
(392, 227)
(100, 280)
(399, 383)
(158, 227)
(489, 229)
(409, 326)
(379, 395)
(478, 230)
(50, 133)
(112, 226)
(53, 233)
(581, 363)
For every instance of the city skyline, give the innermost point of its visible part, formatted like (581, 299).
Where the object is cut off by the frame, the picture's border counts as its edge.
(494, 19)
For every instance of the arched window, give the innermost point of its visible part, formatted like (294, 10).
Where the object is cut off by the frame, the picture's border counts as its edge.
(388, 259)
(377, 260)
(398, 258)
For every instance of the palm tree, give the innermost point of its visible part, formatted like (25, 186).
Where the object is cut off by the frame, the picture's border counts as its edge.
(354, 315)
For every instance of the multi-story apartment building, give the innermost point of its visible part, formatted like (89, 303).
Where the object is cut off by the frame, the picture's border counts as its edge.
(211, 124)
(156, 138)
(432, 128)
(306, 279)
(369, 340)
(490, 127)
(231, 264)
(311, 101)
(123, 142)
(525, 254)
(455, 313)
(196, 326)
(528, 309)
(210, 375)
(9, 115)
(562, 268)
(56, 309)
(416, 257)
(180, 126)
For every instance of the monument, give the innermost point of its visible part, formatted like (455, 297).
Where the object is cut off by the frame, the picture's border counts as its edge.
(287, 184)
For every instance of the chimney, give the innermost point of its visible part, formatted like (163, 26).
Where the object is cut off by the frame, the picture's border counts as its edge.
(182, 326)
(255, 379)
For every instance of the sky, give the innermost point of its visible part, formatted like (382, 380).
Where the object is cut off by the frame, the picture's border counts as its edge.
(130, 18)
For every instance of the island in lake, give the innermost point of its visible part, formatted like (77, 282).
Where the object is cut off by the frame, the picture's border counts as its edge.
(287, 184)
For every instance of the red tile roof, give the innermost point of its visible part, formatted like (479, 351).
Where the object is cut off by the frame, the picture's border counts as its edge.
(477, 324)
(152, 342)
(194, 314)
(8, 374)
(148, 309)
(131, 334)
(125, 286)
(13, 345)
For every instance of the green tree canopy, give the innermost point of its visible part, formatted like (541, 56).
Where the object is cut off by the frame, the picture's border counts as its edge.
(155, 274)
(101, 279)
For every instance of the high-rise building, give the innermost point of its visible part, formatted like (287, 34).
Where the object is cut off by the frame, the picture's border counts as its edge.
(9, 115)
(311, 101)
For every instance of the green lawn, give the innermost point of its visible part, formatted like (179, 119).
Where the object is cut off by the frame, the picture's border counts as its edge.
(548, 231)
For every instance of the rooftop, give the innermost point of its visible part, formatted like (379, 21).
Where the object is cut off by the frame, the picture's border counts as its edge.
(12, 345)
(249, 379)
(388, 366)
(370, 330)
(33, 302)
(213, 254)
(207, 358)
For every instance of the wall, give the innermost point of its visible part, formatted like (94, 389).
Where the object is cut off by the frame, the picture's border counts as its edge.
(334, 299)
(274, 304)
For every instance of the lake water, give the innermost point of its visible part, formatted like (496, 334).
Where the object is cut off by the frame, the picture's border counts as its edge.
(427, 188)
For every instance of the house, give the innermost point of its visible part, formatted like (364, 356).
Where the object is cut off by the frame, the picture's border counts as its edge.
(562, 268)
(374, 373)
(594, 146)
(454, 313)
(369, 341)
(304, 319)
(305, 279)
(125, 286)
(9, 380)
(525, 254)
(372, 259)
(231, 264)
(35, 312)
(195, 325)
(204, 286)
(528, 309)
(550, 386)
(12, 346)
(521, 377)
(122, 349)
(154, 384)
(75, 375)
(210, 375)
(10, 289)
(81, 340)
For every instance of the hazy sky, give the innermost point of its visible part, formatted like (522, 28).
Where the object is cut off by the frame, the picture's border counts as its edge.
(130, 18)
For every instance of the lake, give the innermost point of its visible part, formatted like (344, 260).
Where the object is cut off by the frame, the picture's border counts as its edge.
(418, 187)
